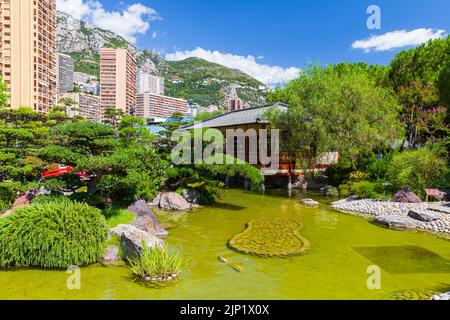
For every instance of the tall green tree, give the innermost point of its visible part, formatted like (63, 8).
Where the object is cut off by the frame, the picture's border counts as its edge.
(22, 133)
(132, 130)
(444, 85)
(73, 142)
(112, 116)
(164, 142)
(301, 136)
(208, 115)
(336, 108)
(418, 78)
(119, 165)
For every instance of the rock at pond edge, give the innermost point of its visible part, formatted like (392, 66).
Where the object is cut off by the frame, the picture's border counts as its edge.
(173, 201)
(192, 196)
(132, 238)
(145, 219)
(111, 255)
(329, 191)
(309, 202)
(397, 222)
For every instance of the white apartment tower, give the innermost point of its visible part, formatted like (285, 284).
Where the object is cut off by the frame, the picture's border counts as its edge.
(65, 72)
(148, 83)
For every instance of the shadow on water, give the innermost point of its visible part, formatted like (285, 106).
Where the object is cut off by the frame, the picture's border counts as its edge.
(405, 259)
(227, 206)
(295, 194)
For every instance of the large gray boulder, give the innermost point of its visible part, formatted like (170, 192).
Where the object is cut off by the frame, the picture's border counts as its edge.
(111, 254)
(397, 222)
(155, 201)
(329, 191)
(145, 219)
(309, 202)
(140, 208)
(132, 239)
(406, 196)
(344, 201)
(192, 196)
(173, 201)
(424, 215)
(147, 224)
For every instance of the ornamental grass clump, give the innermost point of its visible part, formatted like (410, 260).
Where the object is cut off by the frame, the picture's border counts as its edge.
(156, 264)
(56, 234)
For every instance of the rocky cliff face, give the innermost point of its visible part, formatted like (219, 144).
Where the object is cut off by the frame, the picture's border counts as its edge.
(75, 35)
(83, 41)
(193, 79)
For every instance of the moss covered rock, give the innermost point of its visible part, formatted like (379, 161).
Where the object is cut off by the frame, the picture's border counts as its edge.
(270, 238)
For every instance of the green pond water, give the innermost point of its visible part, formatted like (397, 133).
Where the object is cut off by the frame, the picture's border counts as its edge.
(342, 247)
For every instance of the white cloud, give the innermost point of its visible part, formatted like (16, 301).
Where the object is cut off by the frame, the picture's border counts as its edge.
(271, 75)
(397, 39)
(129, 23)
(76, 8)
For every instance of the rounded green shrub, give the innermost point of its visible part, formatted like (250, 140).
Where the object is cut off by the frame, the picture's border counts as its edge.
(366, 190)
(419, 169)
(52, 235)
(345, 189)
(50, 198)
(8, 193)
(3, 206)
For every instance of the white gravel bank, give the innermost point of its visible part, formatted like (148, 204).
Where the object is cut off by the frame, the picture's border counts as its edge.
(375, 208)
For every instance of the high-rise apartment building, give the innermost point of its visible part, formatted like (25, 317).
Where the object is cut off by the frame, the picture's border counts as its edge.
(87, 105)
(81, 78)
(65, 68)
(28, 52)
(195, 109)
(152, 105)
(117, 80)
(237, 104)
(148, 83)
(232, 100)
(89, 88)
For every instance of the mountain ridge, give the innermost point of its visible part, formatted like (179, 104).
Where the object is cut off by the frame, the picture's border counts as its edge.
(194, 79)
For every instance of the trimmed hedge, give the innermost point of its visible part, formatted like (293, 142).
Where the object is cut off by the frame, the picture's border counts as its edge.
(52, 235)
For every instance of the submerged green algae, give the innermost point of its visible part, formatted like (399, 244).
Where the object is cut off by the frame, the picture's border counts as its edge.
(270, 238)
(418, 294)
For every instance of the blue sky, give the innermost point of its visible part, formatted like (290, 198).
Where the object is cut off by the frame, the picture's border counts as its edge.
(270, 39)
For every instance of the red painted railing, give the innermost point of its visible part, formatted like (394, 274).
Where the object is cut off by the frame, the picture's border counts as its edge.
(62, 171)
